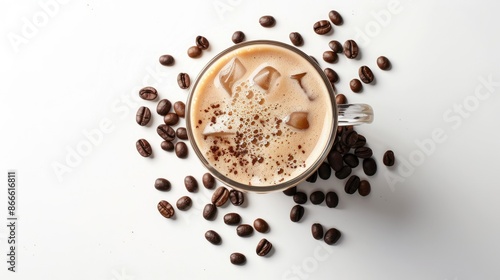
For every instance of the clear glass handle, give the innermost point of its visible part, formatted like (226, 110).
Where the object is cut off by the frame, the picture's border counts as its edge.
(354, 114)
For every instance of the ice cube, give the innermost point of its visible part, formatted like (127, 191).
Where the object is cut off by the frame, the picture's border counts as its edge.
(298, 78)
(298, 120)
(231, 73)
(266, 77)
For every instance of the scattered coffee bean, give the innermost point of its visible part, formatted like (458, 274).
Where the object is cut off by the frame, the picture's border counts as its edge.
(238, 37)
(181, 133)
(344, 172)
(335, 160)
(202, 42)
(166, 60)
(209, 211)
(351, 160)
(166, 209)
(194, 52)
(290, 191)
(341, 147)
(336, 46)
(208, 181)
(364, 188)
(213, 237)
(335, 17)
(166, 132)
(183, 80)
(143, 116)
(317, 197)
(180, 109)
(181, 150)
(237, 258)
(263, 247)
(332, 199)
(317, 231)
(330, 56)
(351, 49)
(261, 225)
(365, 74)
(369, 166)
(313, 177)
(162, 184)
(340, 99)
(332, 236)
(171, 119)
(355, 85)
(363, 152)
(383, 63)
(184, 203)
(143, 147)
(232, 218)
(349, 138)
(389, 159)
(148, 93)
(267, 21)
(324, 171)
(163, 107)
(296, 39)
(352, 184)
(244, 230)
(296, 213)
(167, 146)
(360, 143)
(322, 27)
(236, 197)
(331, 75)
(190, 183)
(220, 196)
(300, 198)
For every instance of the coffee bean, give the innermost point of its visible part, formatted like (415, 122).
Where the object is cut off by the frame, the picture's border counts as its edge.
(184, 203)
(202, 42)
(324, 171)
(351, 160)
(349, 138)
(190, 183)
(166, 60)
(148, 93)
(313, 177)
(360, 143)
(213, 237)
(341, 147)
(244, 230)
(351, 49)
(166, 209)
(335, 160)
(208, 181)
(317, 231)
(363, 152)
(340, 99)
(167, 146)
(183, 80)
(162, 184)
(263, 247)
(352, 184)
(236, 197)
(389, 158)
(300, 198)
(335, 17)
(237, 258)
(317, 197)
(336, 46)
(232, 218)
(296, 213)
(383, 63)
(344, 172)
(355, 85)
(180, 109)
(369, 166)
(267, 21)
(364, 188)
(238, 37)
(220, 196)
(209, 211)
(194, 52)
(296, 39)
(143, 116)
(171, 119)
(332, 236)
(181, 133)
(143, 147)
(163, 107)
(181, 150)
(332, 199)
(290, 191)
(166, 132)
(331, 75)
(261, 225)
(365, 74)
(322, 27)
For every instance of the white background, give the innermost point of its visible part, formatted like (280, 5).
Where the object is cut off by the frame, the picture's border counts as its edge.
(73, 68)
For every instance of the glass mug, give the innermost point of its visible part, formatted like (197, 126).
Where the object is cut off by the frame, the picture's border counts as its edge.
(262, 116)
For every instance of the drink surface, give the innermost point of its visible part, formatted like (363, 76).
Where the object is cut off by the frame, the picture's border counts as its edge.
(261, 115)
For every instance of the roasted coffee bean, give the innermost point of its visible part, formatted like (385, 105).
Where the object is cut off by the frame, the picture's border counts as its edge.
(296, 213)
(352, 184)
(340, 99)
(290, 191)
(335, 160)
(244, 230)
(365, 74)
(267, 21)
(238, 37)
(167, 146)
(360, 143)
(208, 181)
(363, 152)
(209, 211)
(389, 158)
(236, 197)
(324, 171)
(194, 52)
(296, 39)
(166, 60)
(330, 56)
(263, 247)
(332, 199)
(364, 188)
(180, 109)
(332, 236)
(313, 177)
(163, 107)
(351, 49)
(317, 231)
(166, 132)
(342, 148)
(351, 160)
(143, 116)
(336, 46)
(220, 196)
(237, 258)
(335, 17)
(184, 203)
(166, 209)
(317, 197)
(202, 42)
(162, 184)
(190, 183)
(181, 133)
(171, 119)
(369, 166)
(322, 27)
(213, 237)
(356, 85)
(300, 198)
(181, 150)
(183, 80)
(232, 218)
(383, 63)
(331, 75)
(148, 93)
(344, 172)
(143, 147)
(261, 225)
(349, 138)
